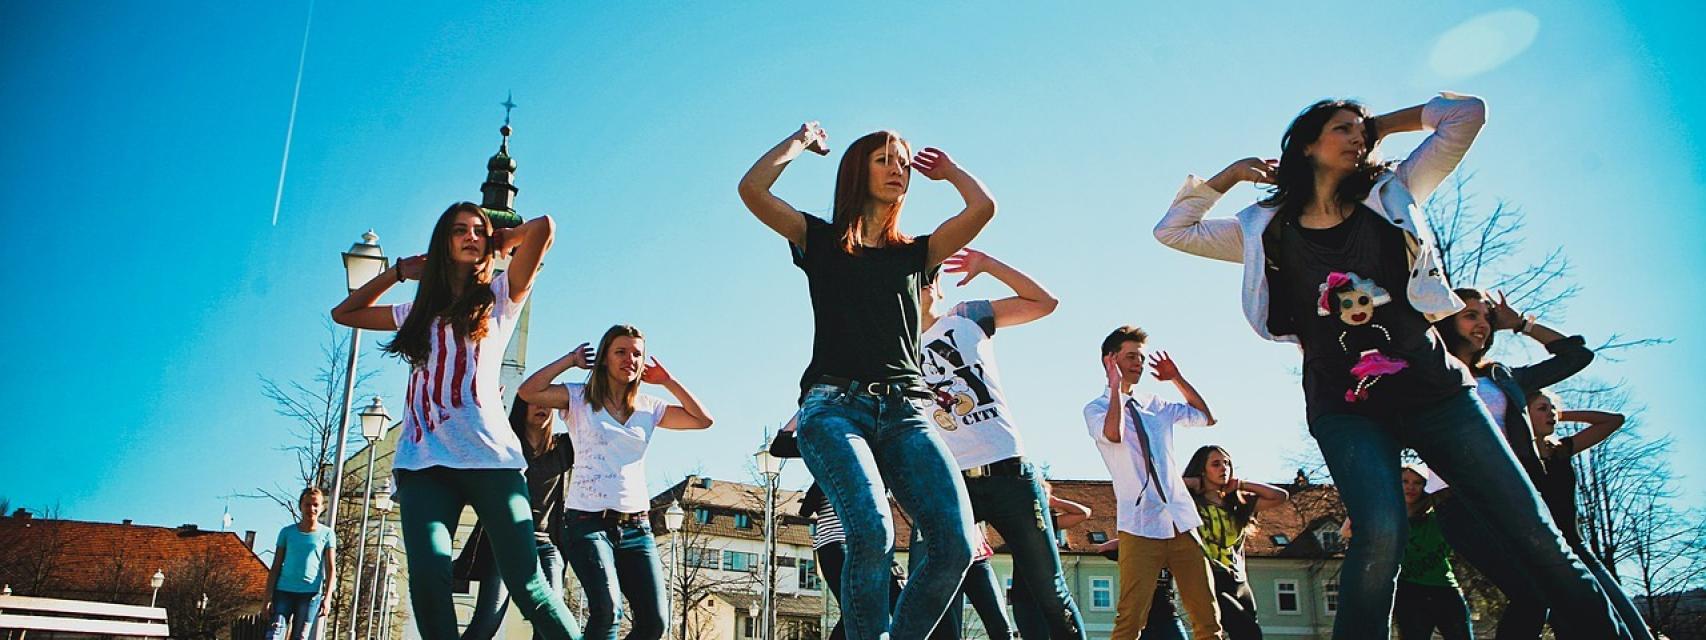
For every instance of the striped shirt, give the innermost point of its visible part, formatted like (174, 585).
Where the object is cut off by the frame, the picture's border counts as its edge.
(455, 414)
(828, 529)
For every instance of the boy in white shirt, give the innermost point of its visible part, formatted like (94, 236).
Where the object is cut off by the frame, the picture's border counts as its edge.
(1157, 517)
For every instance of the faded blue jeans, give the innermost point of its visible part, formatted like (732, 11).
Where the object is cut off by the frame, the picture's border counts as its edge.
(862, 447)
(612, 561)
(1458, 440)
(294, 610)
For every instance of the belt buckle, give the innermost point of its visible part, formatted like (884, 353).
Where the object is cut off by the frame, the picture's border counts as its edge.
(977, 472)
(874, 388)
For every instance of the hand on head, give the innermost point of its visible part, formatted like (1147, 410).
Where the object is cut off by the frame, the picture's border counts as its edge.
(934, 163)
(654, 373)
(814, 137)
(583, 356)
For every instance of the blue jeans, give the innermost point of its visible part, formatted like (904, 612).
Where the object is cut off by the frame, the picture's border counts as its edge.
(1017, 507)
(612, 561)
(1458, 440)
(861, 447)
(493, 598)
(982, 588)
(298, 610)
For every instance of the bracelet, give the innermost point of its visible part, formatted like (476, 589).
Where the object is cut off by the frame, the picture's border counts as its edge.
(1527, 324)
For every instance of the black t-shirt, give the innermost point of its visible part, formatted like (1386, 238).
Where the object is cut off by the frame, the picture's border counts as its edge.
(1558, 489)
(547, 479)
(1369, 322)
(864, 307)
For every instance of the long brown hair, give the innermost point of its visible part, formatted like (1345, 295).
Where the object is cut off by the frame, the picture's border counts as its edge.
(1447, 328)
(853, 191)
(598, 381)
(1294, 180)
(1243, 509)
(467, 313)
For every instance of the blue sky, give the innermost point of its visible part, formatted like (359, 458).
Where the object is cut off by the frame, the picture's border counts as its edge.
(143, 144)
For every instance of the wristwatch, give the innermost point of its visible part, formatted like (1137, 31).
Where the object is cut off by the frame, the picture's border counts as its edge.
(1527, 324)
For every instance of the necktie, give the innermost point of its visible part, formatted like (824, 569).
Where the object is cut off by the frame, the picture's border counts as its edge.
(1143, 444)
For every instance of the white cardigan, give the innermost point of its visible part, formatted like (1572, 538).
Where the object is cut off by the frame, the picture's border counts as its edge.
(1396, 197)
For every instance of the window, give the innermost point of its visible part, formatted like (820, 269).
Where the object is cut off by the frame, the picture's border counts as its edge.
(1330, 596)
(1330, 540)
(809, 580)
(701, 516)
(743, 521)
(1280, 540)
(701, 557)
(1098, 537)
(1285, 596)
(740, 561)
(784, 561)
(1101, 594)
(748, 622)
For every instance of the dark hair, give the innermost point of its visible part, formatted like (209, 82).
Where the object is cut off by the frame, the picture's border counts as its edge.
(853, 191)
(1243, 509)
(467, 313)
(1447, 328)
(1122, 335)
(518, 423)
(1294, 181)
(598, 381)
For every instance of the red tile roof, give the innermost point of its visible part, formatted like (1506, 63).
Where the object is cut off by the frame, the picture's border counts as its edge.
(113, 562)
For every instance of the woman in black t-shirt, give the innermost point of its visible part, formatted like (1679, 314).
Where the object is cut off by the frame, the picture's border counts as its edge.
(863, 429)
(1341, 261)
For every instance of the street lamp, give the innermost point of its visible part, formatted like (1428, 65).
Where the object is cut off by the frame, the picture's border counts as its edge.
(159, 578)
(362, 263)
(381, 503)
(672, 519)
(373, 423)
(771, 467)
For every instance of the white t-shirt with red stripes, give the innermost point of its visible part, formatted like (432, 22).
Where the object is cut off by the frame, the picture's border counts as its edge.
(455, 414)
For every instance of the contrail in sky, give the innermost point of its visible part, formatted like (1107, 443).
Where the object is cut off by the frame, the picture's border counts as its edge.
(291, 128)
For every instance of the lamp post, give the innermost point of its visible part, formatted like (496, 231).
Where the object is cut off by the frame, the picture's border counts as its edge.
(363, 262)
(771, 468)
(159, 578)
(373, 422)
(382, 504)
(672, 519)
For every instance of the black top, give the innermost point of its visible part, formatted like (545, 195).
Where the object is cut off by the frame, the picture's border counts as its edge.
(1378, 324)
(547, 481)
(1558, 488)
(864, 307)
(1569, 356)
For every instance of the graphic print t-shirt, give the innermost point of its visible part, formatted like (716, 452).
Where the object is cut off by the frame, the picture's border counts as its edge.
(610, 456)
(455, 416)
(959, 367)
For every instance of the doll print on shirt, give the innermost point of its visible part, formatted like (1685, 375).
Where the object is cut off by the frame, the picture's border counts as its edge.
(1351, 300)
(961, 390)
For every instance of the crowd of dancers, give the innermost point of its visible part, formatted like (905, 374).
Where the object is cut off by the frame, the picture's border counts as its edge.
(902, 399)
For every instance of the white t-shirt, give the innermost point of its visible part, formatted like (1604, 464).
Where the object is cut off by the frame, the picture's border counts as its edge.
(1146, 509)
(959, 366)
(610, 456)
(455, 416)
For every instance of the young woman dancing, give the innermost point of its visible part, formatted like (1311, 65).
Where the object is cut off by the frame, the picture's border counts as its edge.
(457, 448)
(1469, 334)
(1228, 506)
(863, 428)
(1340, 261)
(607, 530)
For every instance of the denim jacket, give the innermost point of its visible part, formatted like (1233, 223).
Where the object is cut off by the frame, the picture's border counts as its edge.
(1396, 196)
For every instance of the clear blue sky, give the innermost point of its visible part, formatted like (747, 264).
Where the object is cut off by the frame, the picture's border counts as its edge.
(143, 140)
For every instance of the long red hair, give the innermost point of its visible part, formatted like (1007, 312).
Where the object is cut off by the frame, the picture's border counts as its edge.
(853, 192)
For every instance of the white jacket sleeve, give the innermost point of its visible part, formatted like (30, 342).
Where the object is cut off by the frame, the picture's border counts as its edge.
(1184, 228)
(1455, 121)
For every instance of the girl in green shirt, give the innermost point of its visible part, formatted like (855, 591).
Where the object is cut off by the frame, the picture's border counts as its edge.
(1228, 506)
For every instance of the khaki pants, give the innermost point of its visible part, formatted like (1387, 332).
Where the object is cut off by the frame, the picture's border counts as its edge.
(1141, 561)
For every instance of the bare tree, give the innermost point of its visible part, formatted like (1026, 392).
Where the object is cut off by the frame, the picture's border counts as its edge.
(314, 409)
(696, 574)
(204, 596)
(34, 553)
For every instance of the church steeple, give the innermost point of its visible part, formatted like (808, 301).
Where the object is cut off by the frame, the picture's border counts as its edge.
(498, 192)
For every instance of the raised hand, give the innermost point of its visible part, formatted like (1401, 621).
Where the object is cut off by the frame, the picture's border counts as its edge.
(1162, 366)
(654, 373)
(582, 357)
(968, 261)
(934, 163)
(412, 267)
(1501, 315)
(1115, 379)
(814, 137)
(1254, 170)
